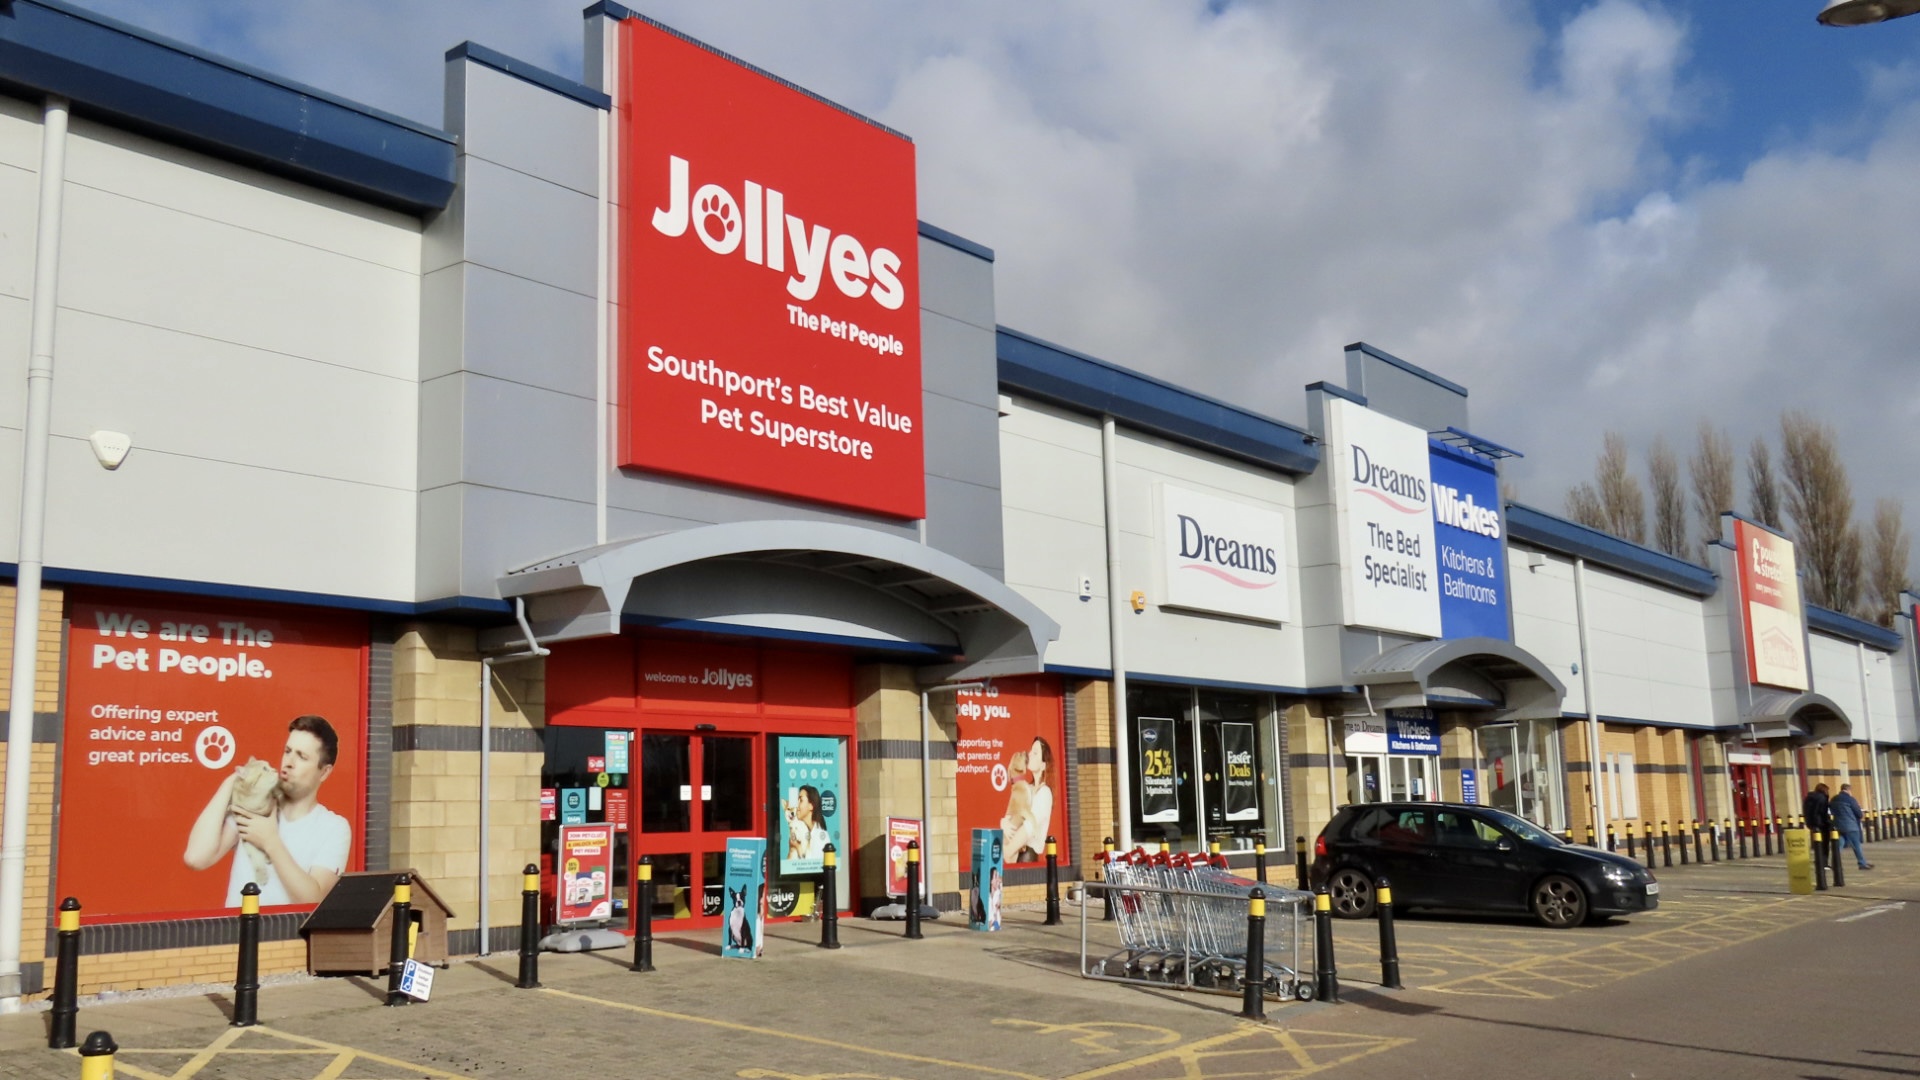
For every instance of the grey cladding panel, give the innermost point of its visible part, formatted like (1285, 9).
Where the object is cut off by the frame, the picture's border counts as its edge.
(443, 299)
(1405, 396)
(437, 565)
(962, 440)
(530, 228)
(957, 359)
(528, 332)
(527, 439)
(963, 520)
(502, 530)
(442, 402)
(529, 129)
(955, 284)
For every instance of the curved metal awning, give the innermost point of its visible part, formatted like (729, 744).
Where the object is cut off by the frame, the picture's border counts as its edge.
(1503, 675)
(816, 578)
(1802, 717)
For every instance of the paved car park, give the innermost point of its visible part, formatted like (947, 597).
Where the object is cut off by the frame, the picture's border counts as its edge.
(1730, 975)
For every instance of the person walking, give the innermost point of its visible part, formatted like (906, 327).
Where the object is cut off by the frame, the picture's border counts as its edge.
(1818, 813)
(1847, 817)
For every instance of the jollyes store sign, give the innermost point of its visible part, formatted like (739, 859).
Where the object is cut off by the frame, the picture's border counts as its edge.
(770, 325)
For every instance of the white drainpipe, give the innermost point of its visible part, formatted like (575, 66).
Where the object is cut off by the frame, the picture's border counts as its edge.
(1596, 782)
(33, 522)
(487, 663)
(1116, 618)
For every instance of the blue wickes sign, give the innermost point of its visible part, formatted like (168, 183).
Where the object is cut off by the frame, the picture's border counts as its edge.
(1412, 731)
(1468, 524)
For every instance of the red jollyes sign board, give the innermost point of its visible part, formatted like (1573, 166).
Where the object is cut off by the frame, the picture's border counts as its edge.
(770, 310)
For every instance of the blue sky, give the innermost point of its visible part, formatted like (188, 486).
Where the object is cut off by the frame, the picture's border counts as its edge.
(1597, 214)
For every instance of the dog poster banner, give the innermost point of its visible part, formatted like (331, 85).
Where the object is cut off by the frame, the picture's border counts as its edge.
(744, 912)
(812, 778)
(208, 745)
(1159, 801)
(1009, 750)
(901, 832)
(584, 892)
(1239, 789)
(989, 879)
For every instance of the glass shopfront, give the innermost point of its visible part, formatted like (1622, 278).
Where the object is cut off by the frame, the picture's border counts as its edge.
(1205, 766)
(1518, 766)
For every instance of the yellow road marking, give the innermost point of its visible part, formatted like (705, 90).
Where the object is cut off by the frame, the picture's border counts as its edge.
(340, 1057)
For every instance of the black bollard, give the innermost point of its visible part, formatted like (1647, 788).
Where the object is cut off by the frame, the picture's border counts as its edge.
(829, 904)
(246, 979)
(1300, 863)
(1726, 829)
(1589, 835)
(643, 924)
(1681, 843)
(1819, 861)
(1766, 836)
(1834, 852)
(529, 928)
(397, 951)
(1647, 831)
(96, 1057)
(1106, 893)
(1389, 951)
(66, 977)
(1253, 996)
(1742, 828)
(913, 890)
(1260, 861)
(1612, 845)
(1666, 846)
(1630, 853)
(1699, 852)
(1326, 975)
(1053, 883)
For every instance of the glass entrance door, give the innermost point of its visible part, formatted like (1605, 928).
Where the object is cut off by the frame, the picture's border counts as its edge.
(696, 789)
(1390, 778)
(1752, 795)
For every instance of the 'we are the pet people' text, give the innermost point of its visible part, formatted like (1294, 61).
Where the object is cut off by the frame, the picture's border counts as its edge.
(168, 659)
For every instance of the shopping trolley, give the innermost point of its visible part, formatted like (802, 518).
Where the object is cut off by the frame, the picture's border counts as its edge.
(1183, 922)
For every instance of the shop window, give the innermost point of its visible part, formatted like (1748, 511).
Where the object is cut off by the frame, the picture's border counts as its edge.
(1623, 789)
(576, 781)
(1203, 767)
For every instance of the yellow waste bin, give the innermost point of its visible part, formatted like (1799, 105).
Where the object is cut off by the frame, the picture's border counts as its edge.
(1799, 844)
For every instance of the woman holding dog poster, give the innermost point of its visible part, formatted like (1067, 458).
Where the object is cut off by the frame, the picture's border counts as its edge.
(281, 838)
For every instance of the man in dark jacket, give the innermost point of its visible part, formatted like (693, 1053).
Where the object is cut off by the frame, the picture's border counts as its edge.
(1819, 815)
(1847, 818)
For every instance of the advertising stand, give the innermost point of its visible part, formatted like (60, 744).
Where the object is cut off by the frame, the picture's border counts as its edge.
(584, 893)
(988, 873)
(744, 908)
(900, 831)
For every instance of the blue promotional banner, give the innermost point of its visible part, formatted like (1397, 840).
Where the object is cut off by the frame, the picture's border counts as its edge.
(617, 752)
(573, 806)
(989, 871)
(1412, 731)
(1469, 787)
(1468, 523)
(812, 777)
(744, 910)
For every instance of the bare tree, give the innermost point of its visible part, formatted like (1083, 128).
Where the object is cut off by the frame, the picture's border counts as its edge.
(1669, 499)
(1711, 468)
(1819, 498)
(1888, 560)
(1613, 502)
(1763, 491)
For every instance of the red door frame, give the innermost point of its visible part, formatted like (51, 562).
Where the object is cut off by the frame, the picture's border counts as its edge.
(1753, 794)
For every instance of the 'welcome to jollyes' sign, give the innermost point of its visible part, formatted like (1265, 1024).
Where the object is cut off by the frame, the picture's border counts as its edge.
(769, 333)
(1770, 591)
(1383, 503)
(1222, 555)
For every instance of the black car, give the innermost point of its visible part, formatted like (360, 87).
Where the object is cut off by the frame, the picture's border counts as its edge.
(1447, 855)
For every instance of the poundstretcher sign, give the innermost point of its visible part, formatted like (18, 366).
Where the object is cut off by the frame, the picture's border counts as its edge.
(770, 299)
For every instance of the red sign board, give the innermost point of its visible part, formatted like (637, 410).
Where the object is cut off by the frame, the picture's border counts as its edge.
(549, 804)
(900, 832)
(206, 746)
(770, 298)
(619, 808)
(585, 888)
(1770, 597)
(1012, 733)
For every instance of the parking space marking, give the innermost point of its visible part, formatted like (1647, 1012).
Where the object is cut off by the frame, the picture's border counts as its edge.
(338, 1058)
(1252, 1050)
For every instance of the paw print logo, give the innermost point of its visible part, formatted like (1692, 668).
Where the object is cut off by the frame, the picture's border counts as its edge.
(214, 747)
(999, 777)
(717, 220)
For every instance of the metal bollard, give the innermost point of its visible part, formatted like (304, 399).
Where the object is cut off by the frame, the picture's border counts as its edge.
(1766, 833)
(1589, 835)
(246, 979)
(1630, 853)
(397, 951)
(1326, 975)
(1106, 894)
(913, 890)
(1699, 852)
(643, 916)
(830, 904)
(66, 977)
(1666, 846)
(1612, 845)
(529, 928)
(1253, 996)
(1053, 881)
(1726, 827)
(1819, 861)
(1740, 829)
(1300, 863)
(1713, 840)
(1682, 843)
(96, 1057)
(1389, 950)
(1834, 852)
(1260, 861)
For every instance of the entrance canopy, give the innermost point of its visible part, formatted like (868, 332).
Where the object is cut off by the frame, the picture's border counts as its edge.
(1509, 679)
(811, 579)
(1801, 717)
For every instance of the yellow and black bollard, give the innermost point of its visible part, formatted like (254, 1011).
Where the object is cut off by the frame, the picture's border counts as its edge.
(1726, 828)
(1106, 891)
(1680, 839)
(1389, 950)
(1819, 861)
(1260, 860)
(1766, 833)
(1835, 851)
(1589, 835)
(643, 918)
(829, 903)
(529, 928)
(1253, 995)
(1630, 851)
(96, 1057)
(402, 925)
(1740, 829)
(1612, 844)
(913, 890)
(66, 977)
(1300, 863)
(246, 979)
(1325, 974)
(1699, 852)
(1053, 881)
(1666, 846)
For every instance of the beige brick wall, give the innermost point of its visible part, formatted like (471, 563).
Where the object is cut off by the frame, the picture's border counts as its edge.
(1310, 796)
(1099, 815)
(174, 967)
(42, 776)
(887, 706)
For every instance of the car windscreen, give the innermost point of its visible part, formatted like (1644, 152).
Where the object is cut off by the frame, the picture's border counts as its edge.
(1522, 828)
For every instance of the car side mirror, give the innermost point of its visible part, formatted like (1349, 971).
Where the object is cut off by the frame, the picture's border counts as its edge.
(1504, 844)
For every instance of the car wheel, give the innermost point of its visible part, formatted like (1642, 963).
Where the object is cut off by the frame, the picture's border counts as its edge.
(1350, 892)
(1559, 903)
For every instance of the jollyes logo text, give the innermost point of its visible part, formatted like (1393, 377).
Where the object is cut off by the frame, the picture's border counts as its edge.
(756, 225)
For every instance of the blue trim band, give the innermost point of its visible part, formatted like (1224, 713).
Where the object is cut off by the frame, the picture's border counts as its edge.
(958, 243)
(610, 9)
(1542, 529)
(540, 77)
(1046, 371)
(1835, 624)
(140, 80)
(1336, 390)
(1411, 369)
(912, 648)
(443, 607)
